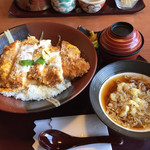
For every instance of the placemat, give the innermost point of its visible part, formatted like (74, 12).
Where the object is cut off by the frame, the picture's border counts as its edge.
(78, 125)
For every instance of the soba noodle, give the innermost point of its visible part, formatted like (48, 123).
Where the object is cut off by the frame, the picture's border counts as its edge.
(126, 100)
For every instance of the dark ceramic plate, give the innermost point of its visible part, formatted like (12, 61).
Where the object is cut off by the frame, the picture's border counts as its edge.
(102, 76)
(51, 31)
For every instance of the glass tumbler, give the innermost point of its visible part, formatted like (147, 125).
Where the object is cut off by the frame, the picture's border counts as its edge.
(125, 4)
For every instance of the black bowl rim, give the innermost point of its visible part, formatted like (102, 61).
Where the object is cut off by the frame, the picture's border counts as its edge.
(96, 83)
(121, 23)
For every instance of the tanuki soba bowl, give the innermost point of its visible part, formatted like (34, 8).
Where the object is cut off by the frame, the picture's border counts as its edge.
(99, 83)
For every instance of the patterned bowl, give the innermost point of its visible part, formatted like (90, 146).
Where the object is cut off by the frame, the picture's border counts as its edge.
(63, 6)
(91, 6)
(120, 41)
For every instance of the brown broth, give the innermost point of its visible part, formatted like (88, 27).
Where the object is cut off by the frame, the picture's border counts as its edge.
(109, 88)
(111, 85)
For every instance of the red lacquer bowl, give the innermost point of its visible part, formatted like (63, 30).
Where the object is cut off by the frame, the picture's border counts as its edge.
(121, 41)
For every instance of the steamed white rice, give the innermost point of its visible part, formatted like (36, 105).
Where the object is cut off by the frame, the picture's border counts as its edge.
(39, 92)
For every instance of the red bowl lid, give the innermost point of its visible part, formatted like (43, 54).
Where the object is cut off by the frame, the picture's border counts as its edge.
(120, 38)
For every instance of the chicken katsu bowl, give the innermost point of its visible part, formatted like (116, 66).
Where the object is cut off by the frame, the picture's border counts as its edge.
(121, 97)
(43, 65)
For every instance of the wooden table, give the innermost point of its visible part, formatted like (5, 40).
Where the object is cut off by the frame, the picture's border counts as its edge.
(16, 130)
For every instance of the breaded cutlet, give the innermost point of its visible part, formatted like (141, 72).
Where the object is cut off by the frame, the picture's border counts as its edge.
(72, 63)
(7, 60)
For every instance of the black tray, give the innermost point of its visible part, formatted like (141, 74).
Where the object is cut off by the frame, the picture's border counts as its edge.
(109, 8)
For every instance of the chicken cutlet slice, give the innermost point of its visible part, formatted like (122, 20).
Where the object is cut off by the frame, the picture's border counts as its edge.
(72, 63)
(18, 74)
(31, 40)
(7, 60)
(53, 73)
(49, 73)
(36, 70)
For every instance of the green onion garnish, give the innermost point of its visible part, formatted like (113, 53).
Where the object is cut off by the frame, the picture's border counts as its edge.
(41, 60)
(26, 62)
